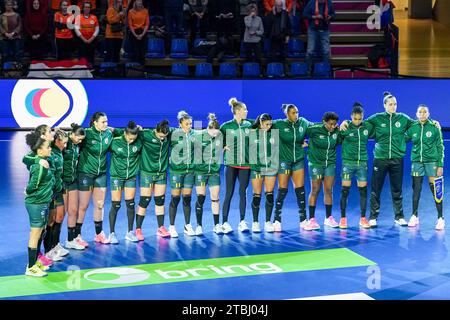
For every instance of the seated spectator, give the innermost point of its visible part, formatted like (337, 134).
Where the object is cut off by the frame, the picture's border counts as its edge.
(173, 14)
(36, 29)
(254, 31)
(223, 13)
(139, 22)
(63, 35)
(223, 46)
(269, 4)
(11, 32)
(319, 13)
(198, 18)
(278, 27)
(87, 29)
(115, 17)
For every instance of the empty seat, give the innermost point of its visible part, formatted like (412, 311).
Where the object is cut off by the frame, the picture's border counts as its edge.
(180, 69)
(196, 43)
(275, 69)
(296, 48)
(251, 69)
(203, 70)
(299, 69)
(228, 70)
(322, 70)
(155, 48)
(179, 49)
(295, 25)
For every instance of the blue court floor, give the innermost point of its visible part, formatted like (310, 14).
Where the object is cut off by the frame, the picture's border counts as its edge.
(389, 262)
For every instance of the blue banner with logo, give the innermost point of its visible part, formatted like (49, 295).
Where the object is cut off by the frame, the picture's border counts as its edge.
(30, 102)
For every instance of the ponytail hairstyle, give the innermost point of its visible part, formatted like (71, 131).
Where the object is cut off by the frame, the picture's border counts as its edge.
(60, 135)
(163, 127)
(260, 119)
(183, 115)
(386, 96)
(95, 117)
(286, 107)
(235, 105)
(34, 141)
(357, 108)
(41, 129)
(213, 123)
(77, 130)
(327, 116)
(132, 128)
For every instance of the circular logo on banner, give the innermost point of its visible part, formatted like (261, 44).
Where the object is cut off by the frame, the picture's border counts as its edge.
(429, 134)
(50, 102)
(117, 275)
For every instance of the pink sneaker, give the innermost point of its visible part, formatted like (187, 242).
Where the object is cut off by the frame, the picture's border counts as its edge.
(413, 221)
(440, 225)
(312, 225)
(331, 222)
(44, 260)
(162, 232)
(79, 240)
(101, 238)
(139, 235)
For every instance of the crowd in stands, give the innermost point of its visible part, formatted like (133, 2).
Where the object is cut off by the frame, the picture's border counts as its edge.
(42, 29)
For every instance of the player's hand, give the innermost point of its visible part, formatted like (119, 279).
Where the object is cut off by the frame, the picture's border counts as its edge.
(305, 144)
(227, 148)
(344, 126)
(440, 171)
(44, 163)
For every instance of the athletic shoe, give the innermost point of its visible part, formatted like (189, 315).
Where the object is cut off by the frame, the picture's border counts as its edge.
(303, 223)
(276, 226)
(112, 238)
(41, 266)
(312, 225)
(373, 223)
(243, 226)
(35, 271)
(343, 223)
(173, 232)
(139, 234)
(62, 252)
(44, 260)
(218, 229)
(440, 225)
(101, 238)
(255, 227)
(80, 241)
(162, 232)
(130, 236)
(199, 231)
(74, 245)
(363, 223)
(330, 222)
(53, 255)
(401, 222)
(226, 228)
(188, 230)
(413, 221)
(269, 227)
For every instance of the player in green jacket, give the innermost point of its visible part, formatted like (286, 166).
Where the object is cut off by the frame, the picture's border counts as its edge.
(70, 184)
(125, 151)
(323, 140)
(92, 174)
(236, 157)
(38, 195)
(291, 132)
(264, 161)
(354, 162)
(181, 168)
(207, 154)
(153, 175)
(427, 158)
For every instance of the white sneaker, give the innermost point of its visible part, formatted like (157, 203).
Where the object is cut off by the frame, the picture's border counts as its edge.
(269, 227)
(130, 236)
(303, 224)
(112, 238)
(276, 226)
(401, 222)
(440, 225)
(62, 252)
(173, 232)
(218, 229)
(330, 222)
(188, 230)
(53, 255)
(255, 227)
(413, 221)
(199, 231)
(74, 245)
(243, 226)
(226, 228)
(373, 223)
(35, 271)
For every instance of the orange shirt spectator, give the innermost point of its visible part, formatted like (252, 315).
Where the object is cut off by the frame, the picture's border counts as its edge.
(113, 16)
(87, 26)
(92, 2)
(268, 5)
(138, 19)
(61, 29)
(124, 3)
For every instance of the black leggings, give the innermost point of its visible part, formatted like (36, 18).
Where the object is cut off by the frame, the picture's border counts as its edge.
(231, 174)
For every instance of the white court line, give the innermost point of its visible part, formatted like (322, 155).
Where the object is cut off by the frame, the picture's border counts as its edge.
(346, 296)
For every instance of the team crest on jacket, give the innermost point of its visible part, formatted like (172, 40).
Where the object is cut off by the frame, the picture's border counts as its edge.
(383, 125)
(119, 149)
(246, 131)
(154, 140)
(134, 149)
(272, 140)
(106, 140)
(397, 124)
(94, 142)
(334, 136)
(300, 129)
(429, 134)
(366, 132)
